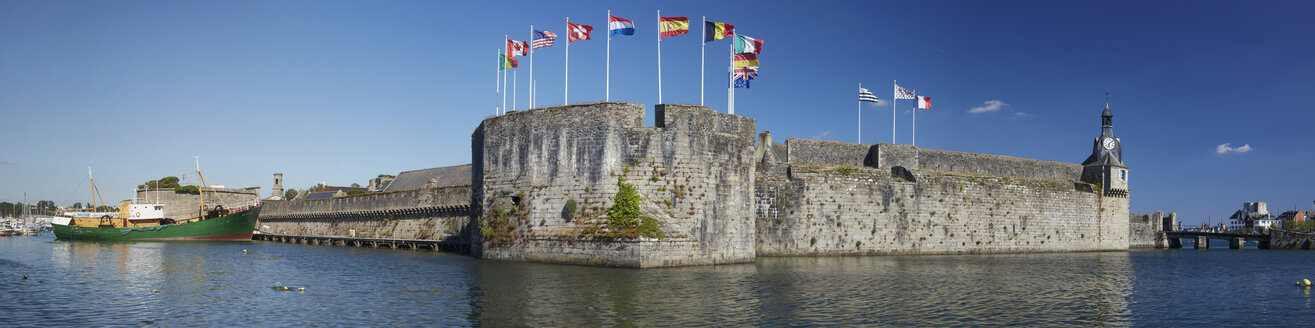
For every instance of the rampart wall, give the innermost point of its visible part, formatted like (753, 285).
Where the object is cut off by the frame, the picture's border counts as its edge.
(1279, 239)
(694, 172)
(1147, 230)
(935, 202)
(181, 205)
(424, 214)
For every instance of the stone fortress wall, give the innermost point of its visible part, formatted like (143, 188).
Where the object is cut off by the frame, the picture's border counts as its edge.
(724, 194)
(899, 199)
(431, 213)
(182, 205)
(1147, 230)
(693, 171)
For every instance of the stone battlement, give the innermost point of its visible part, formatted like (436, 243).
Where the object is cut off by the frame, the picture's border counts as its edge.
(693, 171)
(886, 156)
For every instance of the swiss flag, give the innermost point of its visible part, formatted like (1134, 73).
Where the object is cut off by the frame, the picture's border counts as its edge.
(924, 102)
(576, 32)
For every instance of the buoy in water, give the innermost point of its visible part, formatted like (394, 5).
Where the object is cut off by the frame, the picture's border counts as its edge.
(24, 277)
(244, 251)
(1304, 283)
(280, 287)
(155, 291)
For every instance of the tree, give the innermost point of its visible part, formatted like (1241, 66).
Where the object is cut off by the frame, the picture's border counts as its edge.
(164, 183)
(77, 206)
(290, 194)
(357, 185)
(318, 187)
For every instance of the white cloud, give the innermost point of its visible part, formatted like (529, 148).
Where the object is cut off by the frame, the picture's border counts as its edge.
(819, 136)
(879, 103)
(1228, 147)
(1018, 115)
(988, 106)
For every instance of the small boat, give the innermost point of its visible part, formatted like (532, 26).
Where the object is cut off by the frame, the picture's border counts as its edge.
(147, 222)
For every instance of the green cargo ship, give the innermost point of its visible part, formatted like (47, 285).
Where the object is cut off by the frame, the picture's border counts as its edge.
(232, 226)
(148, 221)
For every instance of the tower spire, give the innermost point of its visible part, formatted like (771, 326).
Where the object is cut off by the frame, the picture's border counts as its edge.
(1107, 93)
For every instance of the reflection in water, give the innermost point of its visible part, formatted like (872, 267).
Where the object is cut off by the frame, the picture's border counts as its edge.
(1044, 289)
(216, 284)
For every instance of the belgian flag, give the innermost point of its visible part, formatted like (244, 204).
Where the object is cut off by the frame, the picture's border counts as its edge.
(713, 31)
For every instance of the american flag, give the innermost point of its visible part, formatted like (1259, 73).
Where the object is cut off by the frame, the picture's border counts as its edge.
(543, 39)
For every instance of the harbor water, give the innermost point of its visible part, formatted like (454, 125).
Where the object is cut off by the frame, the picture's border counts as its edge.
(217, 284)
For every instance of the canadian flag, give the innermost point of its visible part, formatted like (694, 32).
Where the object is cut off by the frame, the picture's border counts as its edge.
(924, 102)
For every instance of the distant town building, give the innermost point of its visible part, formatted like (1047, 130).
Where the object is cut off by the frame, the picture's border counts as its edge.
(1253, 215)
(1293, 215)
(416, 179)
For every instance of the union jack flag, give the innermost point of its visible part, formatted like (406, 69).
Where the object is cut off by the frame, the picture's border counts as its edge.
(543, 39)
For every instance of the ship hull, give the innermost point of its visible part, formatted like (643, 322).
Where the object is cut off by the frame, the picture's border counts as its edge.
(233, 227)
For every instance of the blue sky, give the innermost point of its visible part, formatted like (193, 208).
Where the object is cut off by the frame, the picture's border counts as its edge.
(341, 91)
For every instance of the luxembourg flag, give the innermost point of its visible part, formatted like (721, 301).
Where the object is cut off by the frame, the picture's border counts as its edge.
(924, 102)
(618, 25)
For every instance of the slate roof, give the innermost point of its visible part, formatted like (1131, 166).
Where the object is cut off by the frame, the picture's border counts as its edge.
(320, 195)
(447, 176)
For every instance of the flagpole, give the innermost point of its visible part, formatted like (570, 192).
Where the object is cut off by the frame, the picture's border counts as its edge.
(860, 114)
(497, 79)
(507, 63)
(531, 66)
(659, 34)
(914, 141)
(566, 85)
(730, 88)
(703, 45)
(514, 92)
(607, 80)
(894, 99)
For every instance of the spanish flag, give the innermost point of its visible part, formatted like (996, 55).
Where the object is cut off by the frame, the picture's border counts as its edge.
(713, 31)
(673, 26)
(746, 60)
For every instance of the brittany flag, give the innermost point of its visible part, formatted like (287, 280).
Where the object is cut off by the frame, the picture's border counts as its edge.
(924, 102)
(618, 25)
(577, 32)
(673, 26)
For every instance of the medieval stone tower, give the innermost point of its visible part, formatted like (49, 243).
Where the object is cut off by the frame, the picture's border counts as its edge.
(1105, 165)
(278, 185)
(1106, 170)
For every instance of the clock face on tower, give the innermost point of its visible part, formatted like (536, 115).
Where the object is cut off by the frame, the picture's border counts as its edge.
(1108, 143)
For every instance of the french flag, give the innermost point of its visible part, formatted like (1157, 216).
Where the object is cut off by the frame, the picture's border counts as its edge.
(618, 25)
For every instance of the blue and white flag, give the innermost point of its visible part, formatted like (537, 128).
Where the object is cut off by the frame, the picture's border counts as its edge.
(618, 25)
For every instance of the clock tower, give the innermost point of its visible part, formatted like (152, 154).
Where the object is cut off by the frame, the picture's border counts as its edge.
(1105, 165)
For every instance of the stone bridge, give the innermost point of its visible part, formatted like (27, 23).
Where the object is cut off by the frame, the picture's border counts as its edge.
(1235, 240)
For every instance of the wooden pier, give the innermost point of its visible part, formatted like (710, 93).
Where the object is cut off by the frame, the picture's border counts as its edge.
(449, 245)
